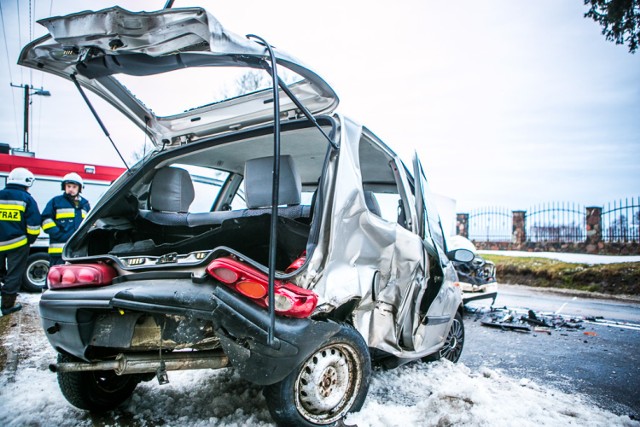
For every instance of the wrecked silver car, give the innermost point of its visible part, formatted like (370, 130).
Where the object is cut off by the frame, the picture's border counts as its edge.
(477, 276)
(266, 232)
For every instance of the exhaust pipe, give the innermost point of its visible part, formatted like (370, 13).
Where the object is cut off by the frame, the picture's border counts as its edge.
(125, 364)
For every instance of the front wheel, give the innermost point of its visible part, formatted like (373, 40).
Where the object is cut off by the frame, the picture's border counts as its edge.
(35, 276)
(453, 344)
(331, 382)
(95, 391)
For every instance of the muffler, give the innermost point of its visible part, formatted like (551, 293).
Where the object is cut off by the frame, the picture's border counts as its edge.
(125, 364)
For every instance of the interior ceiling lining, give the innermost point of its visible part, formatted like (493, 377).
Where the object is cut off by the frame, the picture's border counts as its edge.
(307, 146)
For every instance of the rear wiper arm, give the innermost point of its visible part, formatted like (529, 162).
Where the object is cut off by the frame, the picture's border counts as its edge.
(95, 114)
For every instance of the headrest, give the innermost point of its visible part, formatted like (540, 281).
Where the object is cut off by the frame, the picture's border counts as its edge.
(171, 190)
(372, 202)
(258, 181)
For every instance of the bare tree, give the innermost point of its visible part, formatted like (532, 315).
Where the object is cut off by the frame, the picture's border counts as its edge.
(251, 81)
(255, 80)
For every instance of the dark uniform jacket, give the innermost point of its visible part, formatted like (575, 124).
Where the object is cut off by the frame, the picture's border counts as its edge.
(60, 218)
(19, 218)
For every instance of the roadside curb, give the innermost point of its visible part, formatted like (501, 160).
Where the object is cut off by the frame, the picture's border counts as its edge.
(577, 293)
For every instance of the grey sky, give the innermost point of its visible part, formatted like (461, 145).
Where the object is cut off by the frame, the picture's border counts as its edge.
(508, 102)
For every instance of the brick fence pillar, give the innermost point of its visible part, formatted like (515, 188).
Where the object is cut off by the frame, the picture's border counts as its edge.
(594, 227)
(519, 234)
(462, 224)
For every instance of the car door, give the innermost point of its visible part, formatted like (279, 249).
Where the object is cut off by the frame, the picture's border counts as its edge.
(433, 307)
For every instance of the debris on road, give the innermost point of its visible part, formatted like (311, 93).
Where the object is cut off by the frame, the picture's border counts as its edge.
(612, 323)
(524, 320)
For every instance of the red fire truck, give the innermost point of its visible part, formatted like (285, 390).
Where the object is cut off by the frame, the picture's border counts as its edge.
(48, 174)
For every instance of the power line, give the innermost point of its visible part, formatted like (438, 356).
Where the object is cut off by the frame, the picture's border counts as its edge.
(19, 33)
(32, 13)
(6, 50)
(38, 133)
(6, 46)
(30, 23)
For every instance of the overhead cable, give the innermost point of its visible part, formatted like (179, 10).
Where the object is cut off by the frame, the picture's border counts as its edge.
(6, 50)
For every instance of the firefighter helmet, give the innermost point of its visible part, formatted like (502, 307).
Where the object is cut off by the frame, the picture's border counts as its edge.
(21, 176)
(72, 178)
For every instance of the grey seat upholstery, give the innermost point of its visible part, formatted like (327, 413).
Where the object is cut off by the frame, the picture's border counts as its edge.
(372, 202)
(258, 190)
(170, 196)
(258, 180)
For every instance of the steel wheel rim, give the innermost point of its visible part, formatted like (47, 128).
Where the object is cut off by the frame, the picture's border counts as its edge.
(327, 384)
(37, 272)
(453, 344)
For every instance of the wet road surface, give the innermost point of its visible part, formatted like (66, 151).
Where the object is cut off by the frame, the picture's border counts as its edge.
(600, 360)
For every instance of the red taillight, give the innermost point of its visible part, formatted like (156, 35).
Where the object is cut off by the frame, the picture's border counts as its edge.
(297, 263)
(294, 301)
(225, 275)
(80, 275)
(68, 277)
(252, 289)
(290, 300)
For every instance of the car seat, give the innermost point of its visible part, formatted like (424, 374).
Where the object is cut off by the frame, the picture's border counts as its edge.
(258, 182)
(372, 203)
(170, 196)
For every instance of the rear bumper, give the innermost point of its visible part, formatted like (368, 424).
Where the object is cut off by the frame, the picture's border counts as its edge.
(74, 321)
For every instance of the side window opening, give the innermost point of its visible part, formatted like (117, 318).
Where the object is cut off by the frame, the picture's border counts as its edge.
(207, 183)
(433, 225)
(380, 184)
(238, 201)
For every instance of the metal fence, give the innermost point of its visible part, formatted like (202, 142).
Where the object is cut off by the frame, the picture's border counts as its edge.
(559, 222)
(556, 222)
(621, 221)
(490, 224)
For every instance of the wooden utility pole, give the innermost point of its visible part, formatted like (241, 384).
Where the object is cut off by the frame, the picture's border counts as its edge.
(27, 102)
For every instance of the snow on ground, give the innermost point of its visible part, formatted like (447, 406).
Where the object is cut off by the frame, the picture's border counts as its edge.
(567, 257)
(436, 394)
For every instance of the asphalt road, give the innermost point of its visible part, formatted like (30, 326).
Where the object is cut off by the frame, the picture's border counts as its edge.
(599, 360)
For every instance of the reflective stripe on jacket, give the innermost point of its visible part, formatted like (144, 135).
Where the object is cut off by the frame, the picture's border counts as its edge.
(61, 218)
(19, 218)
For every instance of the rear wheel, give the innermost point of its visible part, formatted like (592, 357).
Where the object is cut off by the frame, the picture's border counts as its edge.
(35, 276)
(333, 381)
(453, 344)
(95, 391)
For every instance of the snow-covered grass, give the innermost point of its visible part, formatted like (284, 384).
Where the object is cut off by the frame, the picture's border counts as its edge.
(568, 257)
(437, 394)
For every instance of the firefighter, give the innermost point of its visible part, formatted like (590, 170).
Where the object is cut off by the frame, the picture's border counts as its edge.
(63, 214)
(19, 228)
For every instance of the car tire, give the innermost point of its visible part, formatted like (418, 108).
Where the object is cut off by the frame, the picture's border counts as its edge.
(35, 276)
(95, 391)
(453, 344)
(331, 382)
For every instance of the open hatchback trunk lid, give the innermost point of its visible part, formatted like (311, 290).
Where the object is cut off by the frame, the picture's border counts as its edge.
(106, 50)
